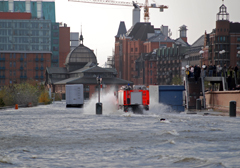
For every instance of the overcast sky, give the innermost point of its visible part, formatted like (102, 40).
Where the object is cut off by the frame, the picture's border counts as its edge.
(100, 22)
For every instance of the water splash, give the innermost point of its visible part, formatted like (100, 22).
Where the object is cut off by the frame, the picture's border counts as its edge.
(108, 100)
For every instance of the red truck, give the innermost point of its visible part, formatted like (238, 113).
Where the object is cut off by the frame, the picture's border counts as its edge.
(136, 98)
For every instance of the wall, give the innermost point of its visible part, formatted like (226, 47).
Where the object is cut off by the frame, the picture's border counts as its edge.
(221, 99)
(64, 44)
(15, 15)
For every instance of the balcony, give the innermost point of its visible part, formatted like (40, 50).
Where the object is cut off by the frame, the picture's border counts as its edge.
(21, 68)
(21, 59)
(36, 68)
(2, 59)
(36, 59)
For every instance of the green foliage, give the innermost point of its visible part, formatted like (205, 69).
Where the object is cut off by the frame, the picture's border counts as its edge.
(58, 97)
(177, 80)
(2, 102)
(44, 98)
(25, 93)
(6, 94)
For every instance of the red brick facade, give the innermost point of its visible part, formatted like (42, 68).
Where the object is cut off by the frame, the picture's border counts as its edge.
(18, 67)
(64, 44)
(15, 15)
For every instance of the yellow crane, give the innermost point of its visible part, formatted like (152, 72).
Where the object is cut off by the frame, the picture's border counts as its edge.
(125, 3)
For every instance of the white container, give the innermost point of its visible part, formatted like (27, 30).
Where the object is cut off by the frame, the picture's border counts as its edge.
(74, 95)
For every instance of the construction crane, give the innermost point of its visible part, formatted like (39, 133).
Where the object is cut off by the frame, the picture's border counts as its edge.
(125, 3)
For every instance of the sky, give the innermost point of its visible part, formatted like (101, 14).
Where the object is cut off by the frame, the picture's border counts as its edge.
(100, 22)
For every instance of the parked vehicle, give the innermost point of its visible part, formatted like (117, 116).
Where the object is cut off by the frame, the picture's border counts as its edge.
(74, 95)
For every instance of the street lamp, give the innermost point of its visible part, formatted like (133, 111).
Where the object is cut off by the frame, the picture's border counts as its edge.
(201, 53)
(222, 52)
(99, 104)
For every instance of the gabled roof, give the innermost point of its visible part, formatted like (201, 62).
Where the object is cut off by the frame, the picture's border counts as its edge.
(182, 42)
(66, 80)
(140, 30)
(56, 70)
(160, 38)
(199, 42)
(91, 69)
(122, 29)
(92, 80)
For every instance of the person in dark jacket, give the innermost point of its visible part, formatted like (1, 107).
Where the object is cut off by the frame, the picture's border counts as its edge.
(236, 71)
(210, 70)
(197, 72)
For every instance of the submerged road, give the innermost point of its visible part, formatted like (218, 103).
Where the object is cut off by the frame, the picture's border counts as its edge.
(53, 136)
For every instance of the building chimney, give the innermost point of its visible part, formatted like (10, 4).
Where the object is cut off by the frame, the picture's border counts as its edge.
(183, 33)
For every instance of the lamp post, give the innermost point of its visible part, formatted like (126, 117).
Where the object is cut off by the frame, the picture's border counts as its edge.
(99, 104)
(238, 56)
(201, 53)
(222, 52)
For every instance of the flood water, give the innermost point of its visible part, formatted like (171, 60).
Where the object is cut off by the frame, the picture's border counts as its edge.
(53, 136)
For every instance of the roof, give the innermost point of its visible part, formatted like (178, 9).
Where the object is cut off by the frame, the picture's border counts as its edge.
(122, 29)
(92, 80)
(160, 38)
(81, 54)
(64, 81)
(199, 42)
(140, 30)
(56, 70)
(92, 69)
(182, 42)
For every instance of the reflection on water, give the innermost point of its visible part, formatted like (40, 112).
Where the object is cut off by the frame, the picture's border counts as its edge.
(53, 136)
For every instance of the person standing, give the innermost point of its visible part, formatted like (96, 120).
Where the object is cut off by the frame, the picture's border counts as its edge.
(219, 70)
(225, 71)
(236, 71)
(210, 69)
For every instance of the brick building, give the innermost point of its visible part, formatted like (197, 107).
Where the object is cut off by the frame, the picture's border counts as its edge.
(131, 49)
(225, 37)
(30, 40)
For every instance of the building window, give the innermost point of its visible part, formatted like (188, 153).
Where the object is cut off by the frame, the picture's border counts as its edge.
(14, 64)
(136, 49)
(10, 55)
(238, 39)
(55, 27)
(131, 49)
(151, 81)
(55, 41)
(55, 34)
(14, 55)
(14, 73)
(25, 55)
(10, 73)
(10, 64)
(55, 48)
(25, 64)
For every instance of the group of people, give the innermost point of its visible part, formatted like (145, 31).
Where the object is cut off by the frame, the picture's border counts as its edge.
(212, 70)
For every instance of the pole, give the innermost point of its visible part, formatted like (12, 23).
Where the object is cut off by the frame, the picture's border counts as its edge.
(98, 92)
(99, 105)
